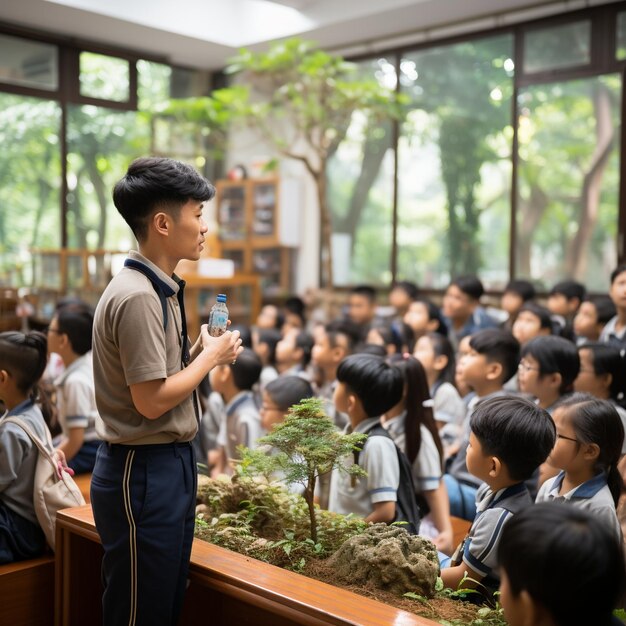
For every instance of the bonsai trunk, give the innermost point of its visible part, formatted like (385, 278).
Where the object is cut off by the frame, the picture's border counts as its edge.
(309, 493)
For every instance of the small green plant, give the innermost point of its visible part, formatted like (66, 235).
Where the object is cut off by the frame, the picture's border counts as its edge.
(305, 445)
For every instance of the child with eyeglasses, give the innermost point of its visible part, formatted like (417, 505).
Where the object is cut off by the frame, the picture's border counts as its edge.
(589, 437)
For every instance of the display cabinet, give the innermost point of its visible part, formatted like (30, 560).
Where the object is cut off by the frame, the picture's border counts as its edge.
(258, 227)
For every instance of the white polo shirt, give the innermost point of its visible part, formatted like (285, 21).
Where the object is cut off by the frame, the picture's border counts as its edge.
(380, 460)
(593, 495)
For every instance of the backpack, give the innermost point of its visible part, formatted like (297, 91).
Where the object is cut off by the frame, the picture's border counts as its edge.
(407, 509)
(51, 493)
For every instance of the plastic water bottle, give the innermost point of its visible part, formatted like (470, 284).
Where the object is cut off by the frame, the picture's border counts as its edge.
(218, 317)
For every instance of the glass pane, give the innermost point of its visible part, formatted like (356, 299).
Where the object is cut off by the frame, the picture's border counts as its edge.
(104, 77)
(620, 51)
(557, 47)
(454, 169)
(568, 181)
(28, 63)
(153, 84)
(264, 210)
(360, 195)
(101, 144)
(232, 213)
(30, 172)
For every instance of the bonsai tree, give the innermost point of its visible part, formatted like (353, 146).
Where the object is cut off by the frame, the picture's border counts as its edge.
(306, 445)
(300, 100)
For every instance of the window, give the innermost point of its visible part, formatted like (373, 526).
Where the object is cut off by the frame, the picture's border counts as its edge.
(30, 173)
(104, 77)
(454, 163)
(557, 47)
(620, 37)
(28, 63)
(568, 181)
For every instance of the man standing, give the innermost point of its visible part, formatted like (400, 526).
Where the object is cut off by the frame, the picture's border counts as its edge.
(143, 485)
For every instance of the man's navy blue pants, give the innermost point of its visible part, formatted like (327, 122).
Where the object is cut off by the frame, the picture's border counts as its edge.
(143, 499)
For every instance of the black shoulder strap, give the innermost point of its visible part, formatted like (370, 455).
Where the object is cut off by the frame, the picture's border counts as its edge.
(159, 286)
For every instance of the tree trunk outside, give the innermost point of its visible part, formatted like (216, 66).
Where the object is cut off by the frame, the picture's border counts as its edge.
(326, 262)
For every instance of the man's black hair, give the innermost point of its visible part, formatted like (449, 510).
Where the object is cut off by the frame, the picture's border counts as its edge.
(246, 370)
(76, 321)
(516, 431)
(470, 285)
(378, 385)
(153, 183)
(524, 289)
(410, 288)
(563, 557)
(344, 328)
(570, 289)
(367, 291)
(498, 346)
(605, 308)
(620, 269)
(285, 391)
(555, 355)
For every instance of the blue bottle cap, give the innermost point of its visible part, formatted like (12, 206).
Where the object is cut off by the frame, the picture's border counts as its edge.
(221, 297)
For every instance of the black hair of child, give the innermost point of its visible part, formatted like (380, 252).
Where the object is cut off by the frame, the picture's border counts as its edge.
(522, 288)
(597, 421)
(434, 314)
(378, 385)
(285, 391)
(373, 349)
(367, 291)
(270, 337)
(76, 321)
(305, 341)
(620, 269)
(570, 289)
(244, 332)
(153, 183)
(605, 308)
(409, 288)
(498, 346)
(541, 313)
(343, 328)
(515, 430)
(470, 285)
(417, 393)
(246, 370)
(607, 359)
(296, 305)
(568, 561)
(24, 356)
(555, 355)
(443, 347)
(389, 337)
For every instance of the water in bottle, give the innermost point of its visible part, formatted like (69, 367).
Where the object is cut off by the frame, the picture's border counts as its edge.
(218, 317)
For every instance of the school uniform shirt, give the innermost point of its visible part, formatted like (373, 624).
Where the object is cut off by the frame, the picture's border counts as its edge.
(593, 495)
(493, 511)
(427, 464)
(448, 407)
(210, 426)
(326, 394)
(613, 337)
(380, 460)
(242, 426)
(622, 413)
(479, 320)
(76, 399)
(130, 346)
(18, 459)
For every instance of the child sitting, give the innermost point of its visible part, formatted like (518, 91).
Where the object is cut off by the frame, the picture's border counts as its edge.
(241, 422)
(602, 375)
(264, 342)
(434, 352)
(492, 360)
(548, 369)
(411, 425)
(362, 309)
(589, 438)
(564, 300)
(69, 336)
(421, 318)
(367, 387)
(516, 294)
(293, 353)
(559, 566)
(532, 321)
(510, 437)
(22, 363)
(615, 330)
(592, 317)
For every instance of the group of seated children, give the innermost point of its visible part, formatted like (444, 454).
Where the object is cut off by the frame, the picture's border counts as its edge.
(488, 416)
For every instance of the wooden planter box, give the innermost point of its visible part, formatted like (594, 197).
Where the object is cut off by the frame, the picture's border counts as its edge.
(225, 588)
